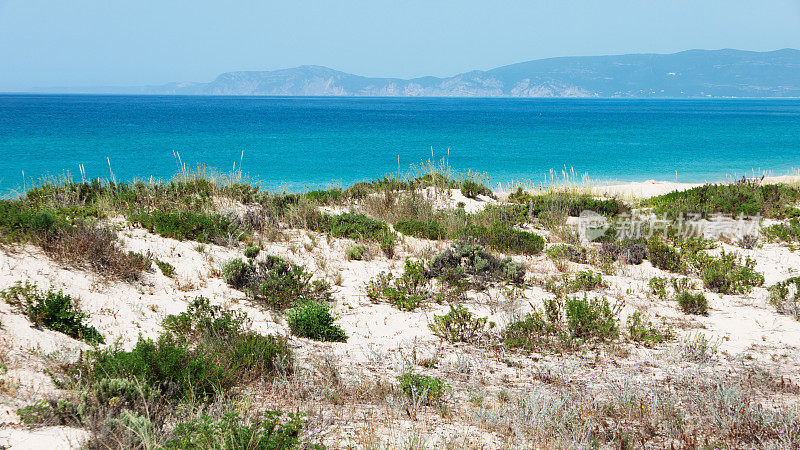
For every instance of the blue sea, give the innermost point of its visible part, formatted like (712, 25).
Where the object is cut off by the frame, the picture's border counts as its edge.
(304, 143)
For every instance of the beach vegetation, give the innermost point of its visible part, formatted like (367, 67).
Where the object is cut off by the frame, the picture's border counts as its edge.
(729, 274)
(692, 303)
(314, 320)
(458, 325)
(53, 310)
(785, 296)
(422, 389)
(745, 197)
(565, 323)
(274, 281)
(357, 252)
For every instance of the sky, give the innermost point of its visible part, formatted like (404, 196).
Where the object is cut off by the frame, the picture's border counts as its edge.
(131, 43)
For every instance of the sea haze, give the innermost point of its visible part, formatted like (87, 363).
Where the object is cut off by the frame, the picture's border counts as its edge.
(299, 143)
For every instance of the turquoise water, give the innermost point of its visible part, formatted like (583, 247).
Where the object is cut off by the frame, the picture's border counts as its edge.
(298, 143)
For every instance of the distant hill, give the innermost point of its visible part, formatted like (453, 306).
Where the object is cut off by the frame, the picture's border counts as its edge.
(689, 74)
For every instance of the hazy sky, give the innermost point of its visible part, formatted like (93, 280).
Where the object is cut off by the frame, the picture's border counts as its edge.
(106, 42)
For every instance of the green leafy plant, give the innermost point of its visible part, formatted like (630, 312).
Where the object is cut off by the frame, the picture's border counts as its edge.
(357, 252)
(728, 274)
(166, 268)
(274, 281)
(422, 389)
(692, 303)
(426, 229)
(186, 225)
(658, 286)
(314, 320)
(458, 325)
(785, 296)
(251, 251)
(272, 431)
(643, 331)
(472, 189)
(52, 310)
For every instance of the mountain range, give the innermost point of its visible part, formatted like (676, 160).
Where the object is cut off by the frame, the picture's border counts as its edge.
(688, 74)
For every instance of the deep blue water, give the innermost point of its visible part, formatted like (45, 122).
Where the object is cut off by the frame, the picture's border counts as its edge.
(298, 143)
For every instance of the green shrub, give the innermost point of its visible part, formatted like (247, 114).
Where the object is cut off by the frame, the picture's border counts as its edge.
(406, 292)
(564, 323)
(464, 258)
(664, 256)
(534, 332)
(643, 331)
(52, 310)
(424, 229)
(592, 318)
(458, 325)
(232, 432)
(585, 280)
(422, 389)
(252, 251)
(568, 203)
(785, 296)
(274, 281)
(748, 198)
(165, 364)
(186, 225)
(314, 320)
(505, 238)
(357, 227)
(658, 286)
(692, 303)
(327, 197)
(237, 273)
(166, 268)
(472, 189)
(357, 252)
(729, 275)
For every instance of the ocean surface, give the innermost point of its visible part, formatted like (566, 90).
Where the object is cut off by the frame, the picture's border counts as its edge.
(304, 143)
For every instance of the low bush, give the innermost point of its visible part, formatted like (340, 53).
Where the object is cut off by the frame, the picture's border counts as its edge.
(472, 189)
(503, 237)
(568, 203)
(227, 335)
(745, 197)
(272, 431)
(664, 256)
(472, 260)
(276, 282)
(326, 197)
(644, 332)
(592, 318)
(565, 324)
(358, 227)
(187, 225)
(692, 303)
(585, 280)
(314, 320)
(166, 364)
(252, 251)
(424, 229)
(406, 292)
(458, 325)
(786, 232)
(785, 296)
(728, 274)
(357, 252)
(52, 310)
(628, 250)
(422, 389)
(166, 268)
(565, 252)
(658, 287)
